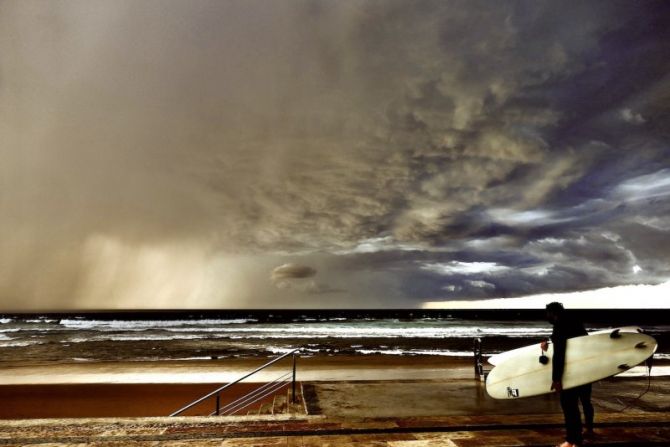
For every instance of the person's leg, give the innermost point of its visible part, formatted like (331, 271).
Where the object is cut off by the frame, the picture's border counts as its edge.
(573, 419)
(585, 398)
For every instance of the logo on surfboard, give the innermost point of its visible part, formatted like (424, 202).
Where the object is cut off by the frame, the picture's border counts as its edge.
(512, 392)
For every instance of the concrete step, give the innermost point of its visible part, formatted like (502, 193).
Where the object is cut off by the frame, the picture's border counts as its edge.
(279, 404)
(297, 407)
(265, 408)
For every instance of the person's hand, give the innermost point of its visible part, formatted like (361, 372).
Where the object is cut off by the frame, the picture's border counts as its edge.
(544, 345)
(556, 386)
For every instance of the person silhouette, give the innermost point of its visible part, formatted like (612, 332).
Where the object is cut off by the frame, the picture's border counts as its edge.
(566, 326)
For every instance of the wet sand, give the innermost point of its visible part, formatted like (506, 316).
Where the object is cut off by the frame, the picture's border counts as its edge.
(398, 399)
(316, 368)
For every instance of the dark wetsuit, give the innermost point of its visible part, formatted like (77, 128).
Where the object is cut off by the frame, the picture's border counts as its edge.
(565, 328)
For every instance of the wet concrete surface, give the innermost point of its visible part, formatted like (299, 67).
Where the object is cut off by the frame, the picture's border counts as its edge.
(469, 397)
(420, 398)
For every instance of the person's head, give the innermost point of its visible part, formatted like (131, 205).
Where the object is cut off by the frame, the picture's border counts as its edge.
(554, 310)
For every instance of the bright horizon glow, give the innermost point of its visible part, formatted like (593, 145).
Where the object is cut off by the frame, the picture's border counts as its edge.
(621, 297)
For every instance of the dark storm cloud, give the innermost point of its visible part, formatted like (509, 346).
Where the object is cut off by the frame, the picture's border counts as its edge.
(189, 148)
(300, 278)
(552, 268)
(292, 271)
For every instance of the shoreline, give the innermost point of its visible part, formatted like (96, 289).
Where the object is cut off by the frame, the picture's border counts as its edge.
(315, 368)
(312, 369)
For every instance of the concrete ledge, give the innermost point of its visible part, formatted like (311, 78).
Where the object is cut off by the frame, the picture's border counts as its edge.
(133, 430)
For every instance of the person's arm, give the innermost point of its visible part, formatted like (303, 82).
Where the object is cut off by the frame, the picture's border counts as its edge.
(558, 363)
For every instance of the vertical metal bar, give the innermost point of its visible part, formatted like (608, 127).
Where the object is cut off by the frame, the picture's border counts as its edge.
(478, 358)
(218, 403)
(293, 383)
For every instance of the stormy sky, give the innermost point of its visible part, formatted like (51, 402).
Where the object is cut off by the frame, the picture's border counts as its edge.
(311, 154)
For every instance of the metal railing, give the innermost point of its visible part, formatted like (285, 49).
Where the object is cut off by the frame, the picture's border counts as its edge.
(252, 397)
(480, 371)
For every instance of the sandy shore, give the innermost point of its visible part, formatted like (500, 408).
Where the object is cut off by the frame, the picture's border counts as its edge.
(317, 368)
(309, 369)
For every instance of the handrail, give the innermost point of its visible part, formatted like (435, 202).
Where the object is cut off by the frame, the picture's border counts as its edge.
(244, 400)
(252, 399)
(218, 390)
(252, 394)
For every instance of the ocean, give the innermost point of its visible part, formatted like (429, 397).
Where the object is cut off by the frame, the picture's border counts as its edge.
(47, 338)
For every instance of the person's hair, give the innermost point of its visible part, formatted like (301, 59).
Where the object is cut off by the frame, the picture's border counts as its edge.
(555, 307)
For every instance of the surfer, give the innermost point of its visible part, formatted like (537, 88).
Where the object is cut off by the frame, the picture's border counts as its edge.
(566, 327)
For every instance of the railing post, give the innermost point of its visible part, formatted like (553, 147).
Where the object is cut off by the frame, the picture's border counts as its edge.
(479, 367)
(218, 403)
(293, 382)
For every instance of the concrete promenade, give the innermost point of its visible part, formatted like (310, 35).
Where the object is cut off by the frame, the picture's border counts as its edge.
(401, 404)
(633, 429)
(404, 414)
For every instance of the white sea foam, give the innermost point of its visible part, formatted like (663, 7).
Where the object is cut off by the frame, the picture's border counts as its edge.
(251, 336)
(437, 352)
(129, 325)
(285, 350)
(134, 337)
(239, 328)
(19, 343)
(359, 331)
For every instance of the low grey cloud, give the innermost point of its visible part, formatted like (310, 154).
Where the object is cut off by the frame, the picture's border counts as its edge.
(187, 148)
(292, 271)
(300, 278)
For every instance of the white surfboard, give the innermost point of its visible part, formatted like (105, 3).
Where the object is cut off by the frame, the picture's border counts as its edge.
(497, 359)
(521, 373)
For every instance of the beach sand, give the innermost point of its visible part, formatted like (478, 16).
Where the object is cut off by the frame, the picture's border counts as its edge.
(315, 368)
